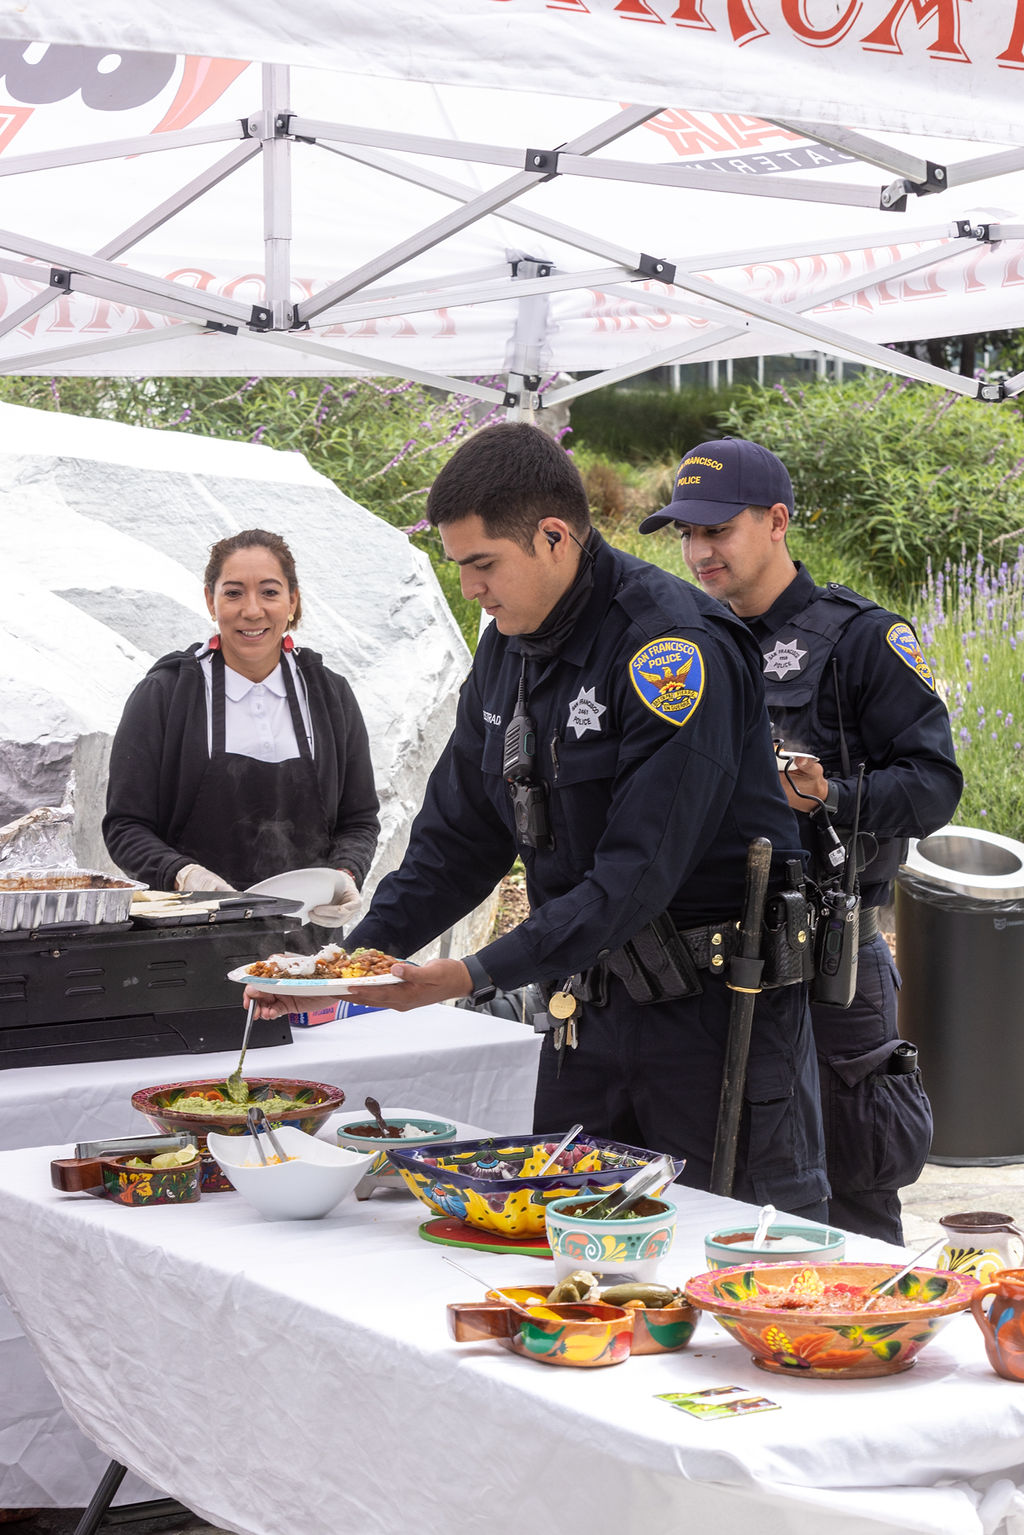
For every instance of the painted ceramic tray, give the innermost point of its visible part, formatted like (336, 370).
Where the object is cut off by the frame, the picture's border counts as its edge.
(494, 1184)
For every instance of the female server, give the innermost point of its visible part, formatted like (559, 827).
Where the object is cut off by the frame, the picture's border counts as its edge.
(244, 756)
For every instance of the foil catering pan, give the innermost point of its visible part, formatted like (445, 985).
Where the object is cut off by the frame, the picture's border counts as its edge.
(31, 898)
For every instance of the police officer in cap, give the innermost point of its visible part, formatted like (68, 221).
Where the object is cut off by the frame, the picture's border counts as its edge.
(613, 732)
(846, 685)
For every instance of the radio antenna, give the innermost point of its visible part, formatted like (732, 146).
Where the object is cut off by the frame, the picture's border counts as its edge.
(851, 856)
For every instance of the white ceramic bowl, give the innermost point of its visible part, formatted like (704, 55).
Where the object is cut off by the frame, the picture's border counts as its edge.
(319, 1177)
(313, 887)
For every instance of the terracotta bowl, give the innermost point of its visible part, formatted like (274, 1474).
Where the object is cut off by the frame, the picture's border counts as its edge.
(319, 1102)
(656, 1330)
(463, 1178)
(846, 1344)
(581, 1334)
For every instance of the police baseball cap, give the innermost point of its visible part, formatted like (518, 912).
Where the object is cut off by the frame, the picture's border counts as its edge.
(718, 480)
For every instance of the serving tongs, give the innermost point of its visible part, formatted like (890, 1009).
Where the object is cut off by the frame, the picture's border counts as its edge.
(566, 1140)
(254, 1114)
(655, 1176)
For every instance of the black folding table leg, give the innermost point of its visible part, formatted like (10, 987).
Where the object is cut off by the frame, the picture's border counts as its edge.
(102, 1498)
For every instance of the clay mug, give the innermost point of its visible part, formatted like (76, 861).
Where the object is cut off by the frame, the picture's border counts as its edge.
(981, 1243)
(1002, 1322)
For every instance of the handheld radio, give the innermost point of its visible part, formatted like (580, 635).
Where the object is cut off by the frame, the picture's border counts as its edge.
(520, 751)
(529, 798)
(838, 931)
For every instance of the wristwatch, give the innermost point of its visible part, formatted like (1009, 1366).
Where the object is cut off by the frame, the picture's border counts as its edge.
(484, 989)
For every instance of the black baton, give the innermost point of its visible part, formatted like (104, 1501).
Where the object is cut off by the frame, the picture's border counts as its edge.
(745, 983)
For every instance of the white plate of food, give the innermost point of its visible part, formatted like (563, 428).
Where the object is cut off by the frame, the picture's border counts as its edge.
(331, 972)
(302, 986)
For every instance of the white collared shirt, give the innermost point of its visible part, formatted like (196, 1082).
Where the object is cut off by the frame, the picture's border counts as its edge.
(257, 720)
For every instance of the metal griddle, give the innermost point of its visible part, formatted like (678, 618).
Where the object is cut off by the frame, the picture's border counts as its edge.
(130, 990)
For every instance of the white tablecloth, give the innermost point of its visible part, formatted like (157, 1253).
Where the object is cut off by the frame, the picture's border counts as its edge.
(473, 1068)
(158, 1325)
(447, 1059)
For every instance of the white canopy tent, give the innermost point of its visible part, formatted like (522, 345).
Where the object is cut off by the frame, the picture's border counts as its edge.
(457, 193)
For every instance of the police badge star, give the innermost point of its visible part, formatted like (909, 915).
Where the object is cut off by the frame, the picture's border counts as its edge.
(585, 712)
(786, 657)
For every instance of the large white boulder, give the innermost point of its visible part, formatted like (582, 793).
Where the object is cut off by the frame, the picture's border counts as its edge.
(105, 531)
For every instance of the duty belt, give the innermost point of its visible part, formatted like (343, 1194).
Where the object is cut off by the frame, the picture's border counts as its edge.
(713, 946)
(661, 962)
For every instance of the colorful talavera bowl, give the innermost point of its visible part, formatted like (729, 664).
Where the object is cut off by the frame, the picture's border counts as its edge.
(580, 1334)
(493, 1184)
(110, 1177)
(142, 1186)
(631, 1246)
(318, 1101)
(416, 1130)
(847, 1344)
(730, 1246)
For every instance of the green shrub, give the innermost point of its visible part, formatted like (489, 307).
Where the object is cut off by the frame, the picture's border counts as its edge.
(641, 425)
(895, 473)
(970, 618)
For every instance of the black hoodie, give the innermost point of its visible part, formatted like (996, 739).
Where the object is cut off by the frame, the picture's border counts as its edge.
(160, 754)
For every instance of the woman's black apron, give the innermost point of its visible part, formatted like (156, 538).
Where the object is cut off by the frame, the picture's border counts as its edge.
(253, 819)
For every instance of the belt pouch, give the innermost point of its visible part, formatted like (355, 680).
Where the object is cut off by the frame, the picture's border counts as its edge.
(591, 986)
(655, 965)
(786, 940)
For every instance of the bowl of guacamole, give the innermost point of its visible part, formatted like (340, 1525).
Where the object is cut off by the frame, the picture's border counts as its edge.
(205, 1105)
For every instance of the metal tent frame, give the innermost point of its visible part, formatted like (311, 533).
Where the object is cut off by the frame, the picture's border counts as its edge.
(275, 131)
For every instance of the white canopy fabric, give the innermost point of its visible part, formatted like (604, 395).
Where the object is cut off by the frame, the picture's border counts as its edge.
(390, 212)
(947, 67)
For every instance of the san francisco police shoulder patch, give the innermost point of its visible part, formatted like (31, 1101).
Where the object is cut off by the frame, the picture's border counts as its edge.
(668, 674)
(903, 640)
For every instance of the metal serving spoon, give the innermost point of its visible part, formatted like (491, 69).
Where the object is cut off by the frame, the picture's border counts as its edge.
(492, 1292)
(237, 1090)
(382, 1124)
(879, 1290)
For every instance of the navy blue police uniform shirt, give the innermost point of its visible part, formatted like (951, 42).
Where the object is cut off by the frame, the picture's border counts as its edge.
(653, 738)
(894, 721)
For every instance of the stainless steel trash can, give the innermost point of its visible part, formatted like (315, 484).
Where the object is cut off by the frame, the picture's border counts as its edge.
(960, 952)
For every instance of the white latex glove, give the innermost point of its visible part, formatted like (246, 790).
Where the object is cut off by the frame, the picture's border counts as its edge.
(345, 905)
(194, 877)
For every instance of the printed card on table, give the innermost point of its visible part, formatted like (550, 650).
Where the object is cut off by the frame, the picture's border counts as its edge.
(718, 1402)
